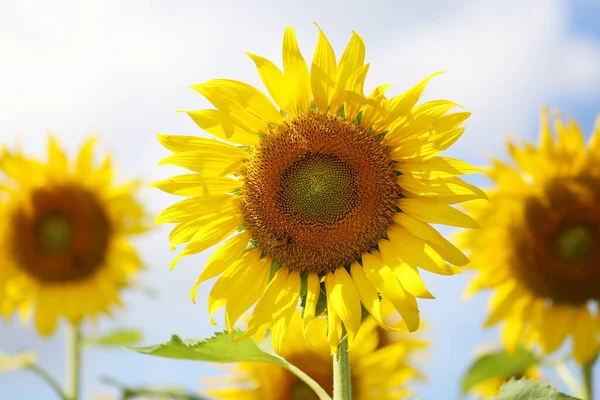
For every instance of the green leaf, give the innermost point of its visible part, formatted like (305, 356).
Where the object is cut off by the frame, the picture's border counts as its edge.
(120, 337)
(128, 392)
(220, 348)
(499, 364)
(526, 389)
(225, 348)
(16, 362)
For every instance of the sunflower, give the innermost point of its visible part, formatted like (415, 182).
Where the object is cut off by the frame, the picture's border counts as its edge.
(331, 191)
(380, 364)
(491, 387)
(540, 244)
(64, 236)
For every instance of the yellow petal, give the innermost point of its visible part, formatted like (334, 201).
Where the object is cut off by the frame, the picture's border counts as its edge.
(197, 207)
(247, 272)
(405, 269)
(248, 289)
(386, 283)
(423, 231)
(352, 59)
(355, 85)
(556, 321)
(402, 104)
(224, 126)
(374, 112)
(436, 212)
(514, 326)
(178, 143)
(546, 141)
(345, 300)
(451, 190)
(222, 258)
(323, 72)
(197, 185)
(210, 234)
(276, 306)
(585, 334)
(230, 102)
(334, 327)
(436, 167)
(86, 158)
(57, 159)
(502, 302)
(274, 81)
(206, 164)
(594, 141)
(368, 294)
(426, 148)
(296, 72)
(313, 291)
(286, 310)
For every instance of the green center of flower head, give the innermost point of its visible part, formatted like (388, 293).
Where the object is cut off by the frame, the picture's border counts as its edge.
(318, 189)
(55, 231)
(574, 243)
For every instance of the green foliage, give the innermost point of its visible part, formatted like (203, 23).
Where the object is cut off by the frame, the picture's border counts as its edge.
(221, 348)
(499, 364)
(225, 348)
(526, 389)
(120, 337)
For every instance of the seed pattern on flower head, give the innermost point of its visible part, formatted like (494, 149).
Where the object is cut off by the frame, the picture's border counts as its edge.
(329, 194)
(539, 247)
(318, 192)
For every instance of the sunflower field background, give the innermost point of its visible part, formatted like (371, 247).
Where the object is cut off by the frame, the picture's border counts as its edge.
(118, 71)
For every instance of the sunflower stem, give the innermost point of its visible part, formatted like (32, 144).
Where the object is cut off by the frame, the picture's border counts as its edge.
(46, 377)
(342, 383)
(73, 361)
(588, 380)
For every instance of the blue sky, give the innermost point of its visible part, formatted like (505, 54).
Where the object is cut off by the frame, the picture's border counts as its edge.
(120, 69)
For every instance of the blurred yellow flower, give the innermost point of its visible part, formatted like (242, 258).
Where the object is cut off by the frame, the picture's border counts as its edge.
(380, 366)
(540, 244)
(64, 236)
(329, 190)
(491, 387)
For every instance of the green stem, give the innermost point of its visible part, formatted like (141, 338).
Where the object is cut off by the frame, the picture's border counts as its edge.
(567, 377)
(46, 377)
(73, 361)
(342, 382)
(588, 380)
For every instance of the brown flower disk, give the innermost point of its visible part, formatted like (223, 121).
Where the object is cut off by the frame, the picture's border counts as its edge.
(318, 192)
(558, 249)
(61, 234)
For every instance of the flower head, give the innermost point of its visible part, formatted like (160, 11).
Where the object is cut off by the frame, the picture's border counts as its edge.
(64, 236)
(540, 244)
(328, 193)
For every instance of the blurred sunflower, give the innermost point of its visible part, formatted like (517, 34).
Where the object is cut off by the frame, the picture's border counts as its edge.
(380, 365)
(540, 244)
(64, 236)
(332, 191)
(491, 387)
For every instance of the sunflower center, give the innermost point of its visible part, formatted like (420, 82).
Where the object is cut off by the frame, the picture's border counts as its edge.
(318, 189)
(557, 244)
(61, 234)
(318, 192)
(574, 243)
(54, 233)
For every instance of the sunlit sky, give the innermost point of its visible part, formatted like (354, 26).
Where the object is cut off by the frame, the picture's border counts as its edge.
(119, 69)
